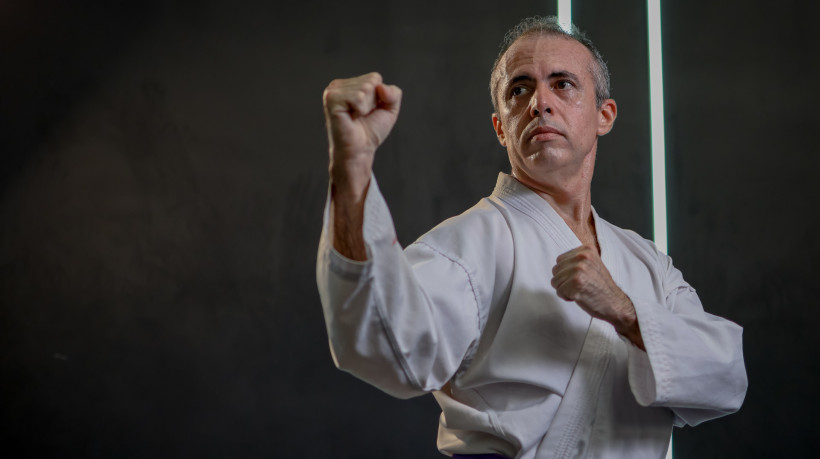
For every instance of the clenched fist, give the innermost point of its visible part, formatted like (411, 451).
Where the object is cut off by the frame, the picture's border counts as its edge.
(359, 113)
(580, 276)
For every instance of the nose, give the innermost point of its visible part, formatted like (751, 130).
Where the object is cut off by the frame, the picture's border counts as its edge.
(540, 103)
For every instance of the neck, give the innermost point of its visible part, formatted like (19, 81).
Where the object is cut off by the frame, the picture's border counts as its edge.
(571, 197)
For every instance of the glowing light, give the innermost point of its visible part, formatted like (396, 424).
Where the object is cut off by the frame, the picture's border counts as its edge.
(656, 115)
(653, 27)
(565, 14)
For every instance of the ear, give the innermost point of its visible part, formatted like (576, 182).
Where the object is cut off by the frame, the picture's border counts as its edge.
(499, 130)
(606, 116)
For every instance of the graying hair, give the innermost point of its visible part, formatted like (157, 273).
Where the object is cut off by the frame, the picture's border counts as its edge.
(548, 25)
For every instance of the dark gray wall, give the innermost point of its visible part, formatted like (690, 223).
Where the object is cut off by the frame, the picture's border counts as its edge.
(164, 171)
(743, 140)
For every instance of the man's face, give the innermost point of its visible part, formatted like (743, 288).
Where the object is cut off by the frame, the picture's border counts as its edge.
(548, 118)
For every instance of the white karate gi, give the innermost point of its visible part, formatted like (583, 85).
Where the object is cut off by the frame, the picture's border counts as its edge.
(468, 311)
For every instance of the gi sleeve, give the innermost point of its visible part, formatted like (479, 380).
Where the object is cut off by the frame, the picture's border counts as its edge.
(402, 322)
(693, 362)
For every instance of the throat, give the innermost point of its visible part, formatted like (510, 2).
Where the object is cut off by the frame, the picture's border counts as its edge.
(586, 232)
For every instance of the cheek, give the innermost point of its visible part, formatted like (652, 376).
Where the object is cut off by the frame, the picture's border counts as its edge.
(517, 109)
(585, 119)
(520, 121)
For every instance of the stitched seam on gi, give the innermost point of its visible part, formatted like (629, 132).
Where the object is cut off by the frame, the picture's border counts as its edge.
(394, 346)
(476, 297)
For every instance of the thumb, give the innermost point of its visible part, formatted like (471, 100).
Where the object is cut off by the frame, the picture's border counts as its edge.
(389, 97)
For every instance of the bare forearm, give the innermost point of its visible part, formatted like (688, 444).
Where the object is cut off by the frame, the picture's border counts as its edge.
(349, 182)
(628, 326)
(348, 222)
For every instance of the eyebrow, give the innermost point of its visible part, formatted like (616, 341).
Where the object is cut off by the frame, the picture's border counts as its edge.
(564, 74)
(553, 75)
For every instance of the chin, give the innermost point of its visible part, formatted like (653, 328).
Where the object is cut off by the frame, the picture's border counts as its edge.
(541, 161)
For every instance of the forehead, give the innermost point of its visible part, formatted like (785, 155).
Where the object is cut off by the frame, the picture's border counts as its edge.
(546, 53)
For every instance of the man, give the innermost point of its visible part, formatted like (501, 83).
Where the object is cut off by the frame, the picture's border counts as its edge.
(542, 330)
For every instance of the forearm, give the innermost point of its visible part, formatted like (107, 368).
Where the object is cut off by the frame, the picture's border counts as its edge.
(347, 214)
(349, 182)
(627, 325)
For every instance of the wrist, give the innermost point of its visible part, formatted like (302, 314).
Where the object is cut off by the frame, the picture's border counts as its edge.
(350, 179)
(627, 323)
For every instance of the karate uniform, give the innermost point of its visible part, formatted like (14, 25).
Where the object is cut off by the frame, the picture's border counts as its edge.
(468, 312)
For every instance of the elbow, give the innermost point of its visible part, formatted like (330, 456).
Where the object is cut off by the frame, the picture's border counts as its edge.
(725, 396)
(376, 370)
(728, 388)
(739, 385)
(735, 380)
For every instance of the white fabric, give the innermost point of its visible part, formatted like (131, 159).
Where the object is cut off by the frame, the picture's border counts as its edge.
(467, 311)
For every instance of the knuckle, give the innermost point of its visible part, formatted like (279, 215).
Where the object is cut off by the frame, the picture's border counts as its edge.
(332, 93)
(577, 283)
(359, 96)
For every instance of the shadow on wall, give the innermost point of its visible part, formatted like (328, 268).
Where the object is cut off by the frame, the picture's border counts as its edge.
(55, 54)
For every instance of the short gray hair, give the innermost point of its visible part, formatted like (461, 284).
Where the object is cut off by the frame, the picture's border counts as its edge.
(549, 25)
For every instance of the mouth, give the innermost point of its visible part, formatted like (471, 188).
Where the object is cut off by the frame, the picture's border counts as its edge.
(544, 134)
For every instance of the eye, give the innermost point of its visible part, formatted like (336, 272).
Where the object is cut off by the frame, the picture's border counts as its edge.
(519, 91)
(564, 84)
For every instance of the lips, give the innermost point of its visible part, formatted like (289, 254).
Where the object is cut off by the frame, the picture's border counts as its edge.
(544, 133)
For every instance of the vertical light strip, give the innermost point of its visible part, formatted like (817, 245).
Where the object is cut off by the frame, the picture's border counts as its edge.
(653, 21)
(565, 14)
(653, 8)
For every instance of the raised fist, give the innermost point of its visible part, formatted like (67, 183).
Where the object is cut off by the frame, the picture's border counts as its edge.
(359, 113)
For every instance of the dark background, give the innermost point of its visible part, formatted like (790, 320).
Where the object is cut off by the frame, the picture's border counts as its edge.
(164, 171)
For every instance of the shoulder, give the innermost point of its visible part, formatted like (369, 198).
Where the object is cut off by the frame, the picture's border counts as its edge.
(477, 231)
(633, 243)
(477, 243)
